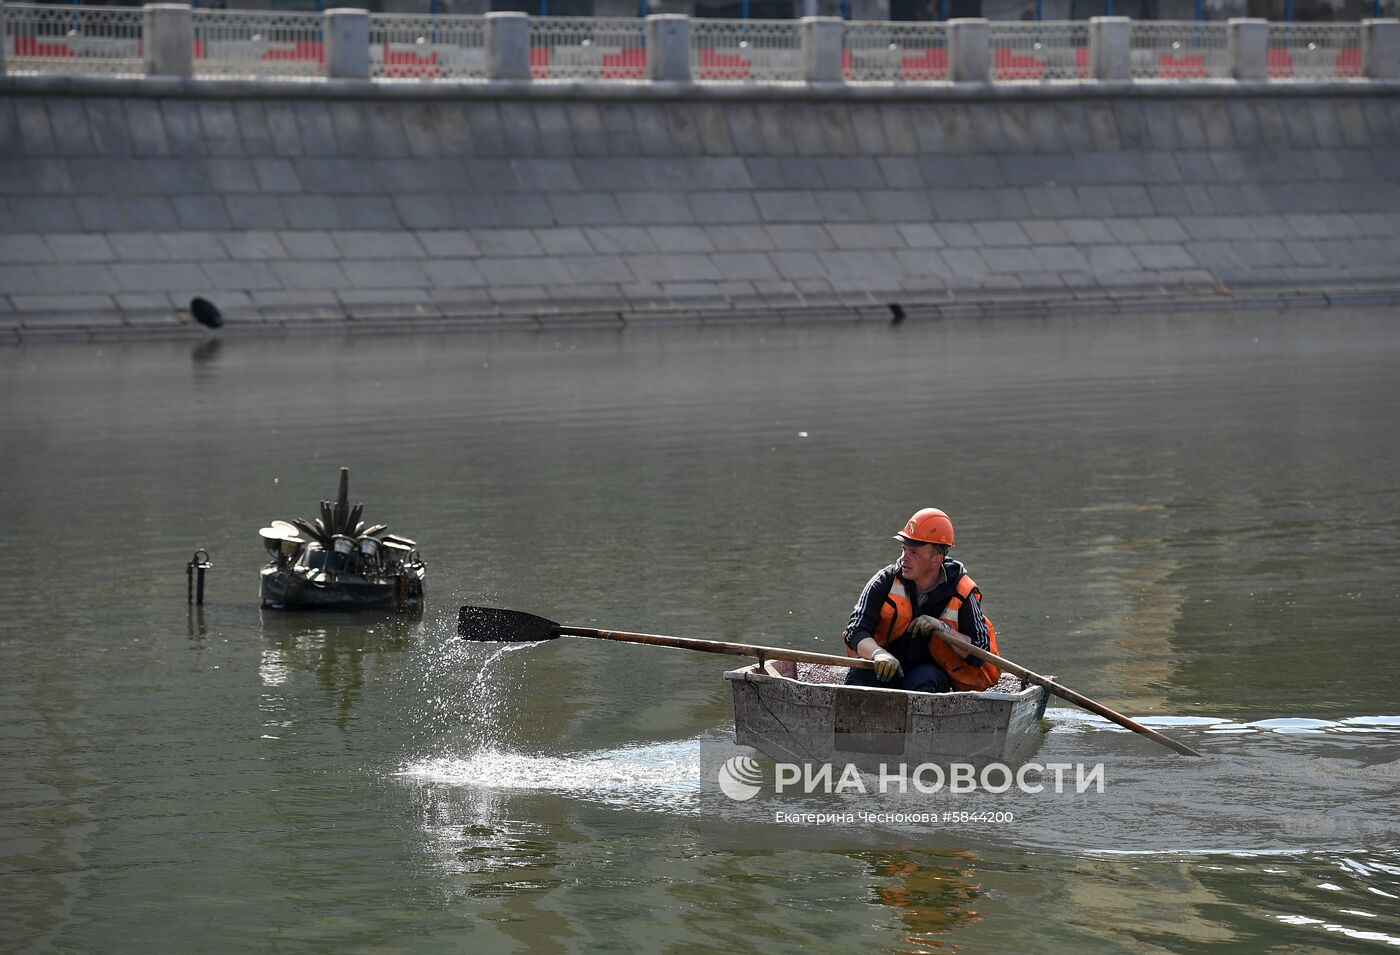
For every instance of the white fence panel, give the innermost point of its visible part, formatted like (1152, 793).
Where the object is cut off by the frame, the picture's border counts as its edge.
(1024, 52)
(893, 52)
(63, 39)
(1314, 51)
(1179, 50)
(588, 48)
(417, 46)
(745, 51)
(258, 43)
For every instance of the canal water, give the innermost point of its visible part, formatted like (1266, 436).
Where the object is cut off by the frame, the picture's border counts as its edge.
(1191, 518)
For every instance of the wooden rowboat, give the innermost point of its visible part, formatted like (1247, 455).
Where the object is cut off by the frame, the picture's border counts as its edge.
(802, 713)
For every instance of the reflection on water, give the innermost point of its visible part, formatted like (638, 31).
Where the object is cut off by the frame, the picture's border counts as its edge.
(932, 894)
(206, 352)
(335, 647)
(1132, 579)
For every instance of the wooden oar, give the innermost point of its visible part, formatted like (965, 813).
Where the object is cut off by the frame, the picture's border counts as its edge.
(494, 625)
(515, 626)
(965, 647)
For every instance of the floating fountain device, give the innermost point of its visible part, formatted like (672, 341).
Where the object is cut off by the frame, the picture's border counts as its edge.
(335, 561)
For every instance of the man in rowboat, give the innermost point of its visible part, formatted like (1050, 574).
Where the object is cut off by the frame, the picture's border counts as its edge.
(893, 622)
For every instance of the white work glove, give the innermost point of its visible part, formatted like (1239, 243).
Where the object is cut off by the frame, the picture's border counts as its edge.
(925, 626)
(886, 666)
(931, 627)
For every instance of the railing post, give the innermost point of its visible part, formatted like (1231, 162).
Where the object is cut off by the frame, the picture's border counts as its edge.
(969, 50)
(168, 39)
(1380, 49)
(347, 43)
(507, 46)
(823, 43)
(668, 47)
(1249, 48)
(2, 37)
(1109, 48)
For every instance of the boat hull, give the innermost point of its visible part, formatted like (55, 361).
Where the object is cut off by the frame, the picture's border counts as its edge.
(794, 721)
(301, 588)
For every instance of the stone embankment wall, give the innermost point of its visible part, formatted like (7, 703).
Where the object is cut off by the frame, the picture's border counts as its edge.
(297, 206)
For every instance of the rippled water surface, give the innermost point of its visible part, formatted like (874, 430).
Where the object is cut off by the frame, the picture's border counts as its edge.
(1193, 519)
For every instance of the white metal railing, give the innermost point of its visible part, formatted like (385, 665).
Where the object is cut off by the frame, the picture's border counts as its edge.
(743, 51)
(1026, 51)
(418, 46)
(895, 52)
(257, 43)
(1314, 51)
(63, 39)
(53, 38)
(1178, 50)
(588, 48)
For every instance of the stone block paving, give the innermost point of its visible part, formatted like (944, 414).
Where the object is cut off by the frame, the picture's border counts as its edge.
(280, 208)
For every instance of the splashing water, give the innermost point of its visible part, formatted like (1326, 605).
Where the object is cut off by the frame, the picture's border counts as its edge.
(659, 775)
(1066, 720)
(462, 695)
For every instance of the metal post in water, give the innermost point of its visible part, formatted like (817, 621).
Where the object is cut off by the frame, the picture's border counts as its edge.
(194, 592)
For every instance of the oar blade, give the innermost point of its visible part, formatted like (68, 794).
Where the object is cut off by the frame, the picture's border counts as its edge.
(494, 625)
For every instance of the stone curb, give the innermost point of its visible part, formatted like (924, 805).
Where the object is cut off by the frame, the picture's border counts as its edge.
(335, 89)
(1124, 302)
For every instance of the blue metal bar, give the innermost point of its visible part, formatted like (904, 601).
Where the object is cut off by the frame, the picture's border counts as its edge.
(744, 7)
(1108, 8)
(1288, 10)
(1200, 9)
(1040, 9)
(943, 9)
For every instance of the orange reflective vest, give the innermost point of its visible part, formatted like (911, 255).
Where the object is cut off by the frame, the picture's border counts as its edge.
(966, 676)
(897, 614)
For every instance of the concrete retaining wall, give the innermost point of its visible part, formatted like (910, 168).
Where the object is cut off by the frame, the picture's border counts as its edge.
(292, 204)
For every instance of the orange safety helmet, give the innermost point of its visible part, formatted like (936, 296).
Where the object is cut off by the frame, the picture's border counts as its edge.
(928, 526)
